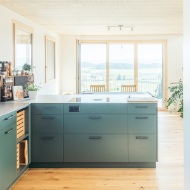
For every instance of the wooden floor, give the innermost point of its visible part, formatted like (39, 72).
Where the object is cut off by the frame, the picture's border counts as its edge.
(168, 175)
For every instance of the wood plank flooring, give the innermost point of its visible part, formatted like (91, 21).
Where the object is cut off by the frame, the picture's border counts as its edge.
(168, 175)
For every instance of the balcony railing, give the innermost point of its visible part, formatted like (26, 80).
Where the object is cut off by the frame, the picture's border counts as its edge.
(146, 82)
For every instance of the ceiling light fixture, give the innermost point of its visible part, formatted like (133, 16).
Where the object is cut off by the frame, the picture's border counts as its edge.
(120, 27)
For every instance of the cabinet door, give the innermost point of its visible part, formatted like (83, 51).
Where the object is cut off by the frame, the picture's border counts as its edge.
(95, 108)
(142, 148)
(47, 148)
(7, 119)
(48, 108)
(142, 108)
(95, 148)
(142, 123)
(7, 156)
(48, 124)
(95, 123)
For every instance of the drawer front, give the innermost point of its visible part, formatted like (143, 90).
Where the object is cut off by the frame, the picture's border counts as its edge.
(7, 119)
(142, 124)
(48, 108)
(47, 148)
(95, 108)
(95, 123)
(48, 124)
(142, 148)
(95, 148)
(142, 108)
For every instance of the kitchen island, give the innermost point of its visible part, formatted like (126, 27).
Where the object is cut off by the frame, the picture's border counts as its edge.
(99, 130)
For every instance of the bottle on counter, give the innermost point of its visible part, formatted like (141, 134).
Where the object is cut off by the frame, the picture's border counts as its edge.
(3, 92)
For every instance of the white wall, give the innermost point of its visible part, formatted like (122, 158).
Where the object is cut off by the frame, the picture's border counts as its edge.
(6, 47)
(187, 93)
(174, 56)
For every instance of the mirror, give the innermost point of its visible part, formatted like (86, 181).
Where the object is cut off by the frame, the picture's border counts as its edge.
(23, 47)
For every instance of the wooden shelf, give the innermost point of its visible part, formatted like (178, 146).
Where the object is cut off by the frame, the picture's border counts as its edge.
(22, 153)
(22, 137)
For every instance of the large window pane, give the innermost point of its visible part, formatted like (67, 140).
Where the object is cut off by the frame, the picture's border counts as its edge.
(93, 65)
(150, 63)
(121, 65)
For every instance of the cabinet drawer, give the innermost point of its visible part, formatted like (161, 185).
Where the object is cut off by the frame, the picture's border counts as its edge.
(142, 124)
(95, 148)
(47, 148)
(142, 148)
(142, 108)
(95, 108)
(7, 119)
(48, 108)
(48, 124)
(95, 123)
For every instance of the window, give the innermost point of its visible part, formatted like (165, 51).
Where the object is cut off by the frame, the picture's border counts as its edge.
(121, 69)
(93, 65)
(128, 63)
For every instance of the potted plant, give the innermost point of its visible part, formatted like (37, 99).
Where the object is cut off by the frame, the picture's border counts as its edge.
(175, 101)
(26, 68)
(32, 89)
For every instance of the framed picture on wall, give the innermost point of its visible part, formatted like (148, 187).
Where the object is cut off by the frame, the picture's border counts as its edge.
(49, 59)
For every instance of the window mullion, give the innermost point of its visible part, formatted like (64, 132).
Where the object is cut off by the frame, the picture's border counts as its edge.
(107, 68)
(136, 65)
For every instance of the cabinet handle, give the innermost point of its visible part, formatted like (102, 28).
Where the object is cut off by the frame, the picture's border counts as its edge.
(141, 106)
(48, 117)
(7, 118)
(141, 137)
(98, 117)
(141, 117)
(95, 137)
(9, 131)
(48, 138)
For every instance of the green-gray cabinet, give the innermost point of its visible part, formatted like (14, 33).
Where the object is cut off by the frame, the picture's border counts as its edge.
(94, 133)
(47, 147)
(142, 132)
(95, 123)
(95, 148)
(142, 147)
(12, 165)
(47, 132)
(7, 150)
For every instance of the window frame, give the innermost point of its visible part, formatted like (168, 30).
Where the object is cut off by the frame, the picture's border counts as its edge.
(46, 66)
(135, 42)
(20, 26)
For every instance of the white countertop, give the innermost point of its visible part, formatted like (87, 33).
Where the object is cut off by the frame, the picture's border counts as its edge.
(94, 98)
(9, 107)
(6, 107)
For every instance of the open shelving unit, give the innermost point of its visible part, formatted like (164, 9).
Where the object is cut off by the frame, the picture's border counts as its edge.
(23, 139)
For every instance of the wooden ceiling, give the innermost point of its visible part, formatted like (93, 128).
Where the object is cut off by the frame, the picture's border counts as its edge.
(91, 17)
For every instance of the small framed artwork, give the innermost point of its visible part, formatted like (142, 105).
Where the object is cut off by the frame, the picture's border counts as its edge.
(17, 92)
